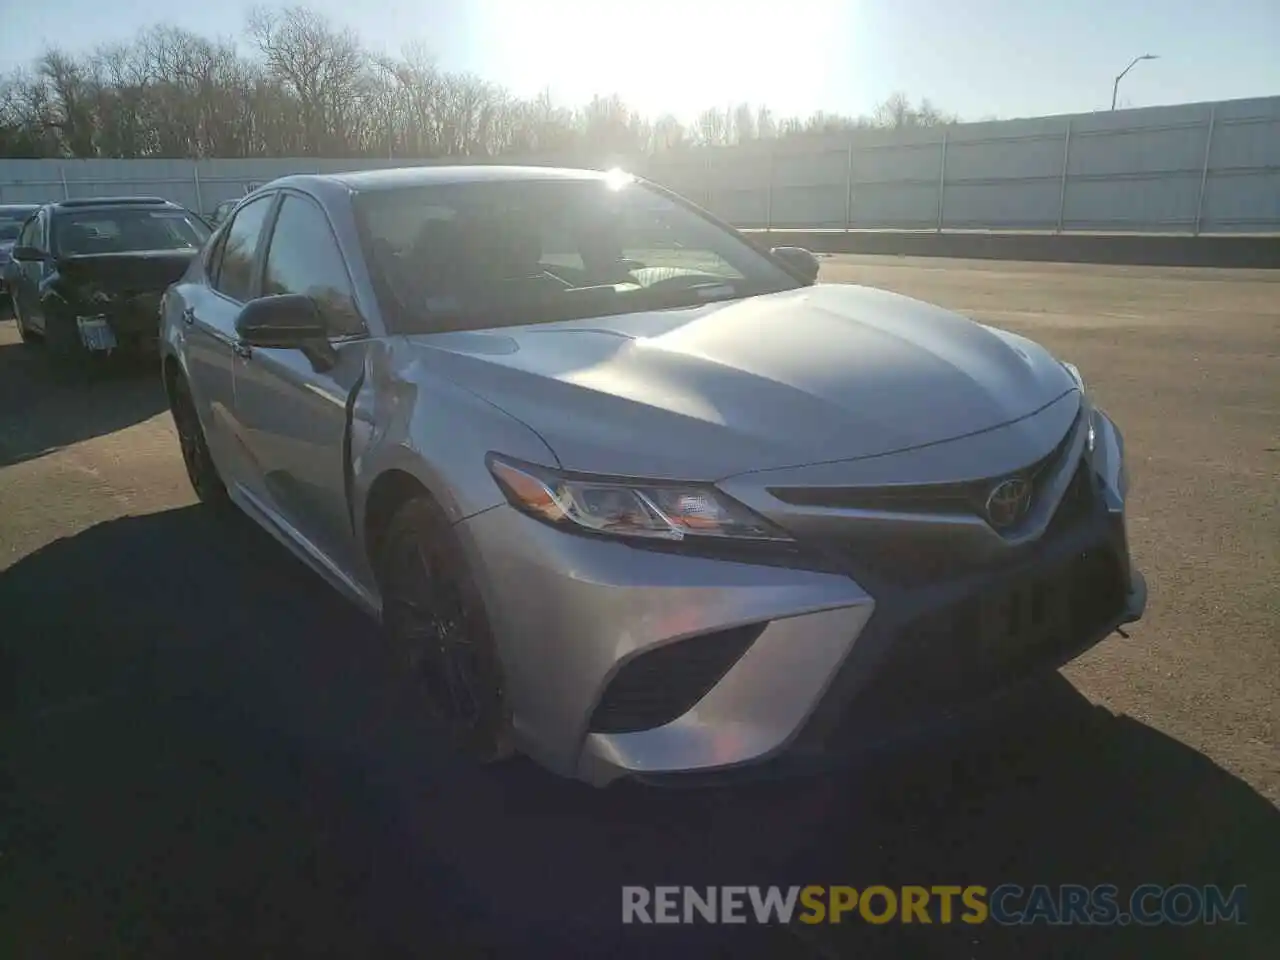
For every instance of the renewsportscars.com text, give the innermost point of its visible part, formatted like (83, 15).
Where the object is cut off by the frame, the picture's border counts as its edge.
(1007, 905)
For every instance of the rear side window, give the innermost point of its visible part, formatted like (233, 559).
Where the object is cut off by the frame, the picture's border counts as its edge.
(304, 258)
(234, 275)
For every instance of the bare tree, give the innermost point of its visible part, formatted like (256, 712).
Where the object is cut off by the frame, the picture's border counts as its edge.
(766, 126)
(308, 87)
(713, 127)
(321, 67)
(897, 112)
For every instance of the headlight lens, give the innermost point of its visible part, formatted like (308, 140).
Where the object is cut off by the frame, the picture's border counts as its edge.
(1072, 369)
(1091, 438)
(650, 510)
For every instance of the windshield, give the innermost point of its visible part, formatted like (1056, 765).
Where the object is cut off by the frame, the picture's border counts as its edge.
(127, 230)
(483, 254)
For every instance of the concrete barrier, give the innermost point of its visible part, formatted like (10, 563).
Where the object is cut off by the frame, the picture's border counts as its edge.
(1135, 249)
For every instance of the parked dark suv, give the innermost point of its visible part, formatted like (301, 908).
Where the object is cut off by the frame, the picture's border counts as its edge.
(90, 273)
(12, 217)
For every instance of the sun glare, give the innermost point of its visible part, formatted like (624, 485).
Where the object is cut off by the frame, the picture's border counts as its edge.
(616, 179)
(672, 57)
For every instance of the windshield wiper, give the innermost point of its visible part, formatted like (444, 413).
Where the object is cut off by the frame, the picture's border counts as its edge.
(696, 294)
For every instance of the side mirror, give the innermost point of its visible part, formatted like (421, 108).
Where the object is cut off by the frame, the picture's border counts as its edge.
(800, 260)
(287, 321)
(28, 254)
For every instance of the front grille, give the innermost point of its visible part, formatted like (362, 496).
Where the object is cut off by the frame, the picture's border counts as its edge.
(655, 687)
(1077, 500)
(973, 646)
(900, 556)
(969, 496)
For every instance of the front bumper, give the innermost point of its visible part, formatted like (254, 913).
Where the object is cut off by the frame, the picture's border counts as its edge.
(735, 663)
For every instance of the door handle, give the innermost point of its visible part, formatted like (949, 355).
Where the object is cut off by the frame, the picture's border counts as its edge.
(189, 316)
(241, 349)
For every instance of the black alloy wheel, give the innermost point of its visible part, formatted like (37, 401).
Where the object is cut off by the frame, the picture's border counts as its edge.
(439, 633)
(195, 451)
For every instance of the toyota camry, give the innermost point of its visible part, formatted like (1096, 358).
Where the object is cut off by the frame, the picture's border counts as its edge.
(630, 494)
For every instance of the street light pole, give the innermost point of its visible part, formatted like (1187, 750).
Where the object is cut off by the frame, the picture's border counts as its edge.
(1115, 87)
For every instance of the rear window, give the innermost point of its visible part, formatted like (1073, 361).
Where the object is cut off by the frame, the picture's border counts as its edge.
(127, 230)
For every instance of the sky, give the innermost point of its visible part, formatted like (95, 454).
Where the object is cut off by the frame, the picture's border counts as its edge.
(980, 58)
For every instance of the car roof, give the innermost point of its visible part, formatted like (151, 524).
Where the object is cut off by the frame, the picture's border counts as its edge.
(369, 180)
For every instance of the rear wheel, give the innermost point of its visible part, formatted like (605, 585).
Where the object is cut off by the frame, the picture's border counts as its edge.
(439, 632)
(28, 336)
(195, 450)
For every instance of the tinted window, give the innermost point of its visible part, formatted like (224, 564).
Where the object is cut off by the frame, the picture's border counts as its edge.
(304, 258)
(240, 249)
(222, 210)
(31, 233)
(127, 230)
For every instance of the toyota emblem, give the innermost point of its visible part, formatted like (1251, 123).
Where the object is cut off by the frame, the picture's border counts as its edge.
(1008, 502)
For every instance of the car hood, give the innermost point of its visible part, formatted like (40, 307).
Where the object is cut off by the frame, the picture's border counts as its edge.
(825, 373)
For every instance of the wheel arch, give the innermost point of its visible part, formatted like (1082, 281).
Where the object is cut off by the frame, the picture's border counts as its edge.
(170, 371)
(390, 490)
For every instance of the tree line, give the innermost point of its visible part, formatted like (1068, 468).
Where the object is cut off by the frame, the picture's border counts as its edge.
(307, 87)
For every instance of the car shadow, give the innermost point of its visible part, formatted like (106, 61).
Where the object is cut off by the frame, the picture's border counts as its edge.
(202, 751)
(56, 413)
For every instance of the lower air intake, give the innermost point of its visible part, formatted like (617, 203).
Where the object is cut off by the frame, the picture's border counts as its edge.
(655, 687)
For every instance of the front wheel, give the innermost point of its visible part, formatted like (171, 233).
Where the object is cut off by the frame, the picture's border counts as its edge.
(438, 630)
(201, 470)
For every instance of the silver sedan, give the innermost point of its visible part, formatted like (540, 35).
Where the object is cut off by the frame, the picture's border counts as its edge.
(629, 494)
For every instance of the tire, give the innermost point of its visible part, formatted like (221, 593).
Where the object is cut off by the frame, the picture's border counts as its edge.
(29, 337)
(201, 470)
(438, 631)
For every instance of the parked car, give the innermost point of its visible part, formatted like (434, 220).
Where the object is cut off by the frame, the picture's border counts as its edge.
(221, 211)
(12, 217)
(90, 273)
(629, 494)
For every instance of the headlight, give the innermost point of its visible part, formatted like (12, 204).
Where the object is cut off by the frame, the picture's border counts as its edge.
(1091, 438)
(1072, 369)
(629, 509)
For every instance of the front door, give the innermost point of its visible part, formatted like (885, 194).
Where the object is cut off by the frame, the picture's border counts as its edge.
(292, 407)
(209, 311)
(30, 274)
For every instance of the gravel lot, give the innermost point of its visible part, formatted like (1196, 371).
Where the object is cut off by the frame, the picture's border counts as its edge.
(200, 752)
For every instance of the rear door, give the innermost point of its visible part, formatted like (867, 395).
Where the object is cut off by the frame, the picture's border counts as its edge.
(209, 310)
(292, 411)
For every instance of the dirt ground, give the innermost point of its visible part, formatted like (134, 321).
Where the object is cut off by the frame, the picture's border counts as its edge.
(200, 753)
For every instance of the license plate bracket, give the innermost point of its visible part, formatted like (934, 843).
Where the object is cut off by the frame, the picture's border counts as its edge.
(96, 334)
(1024, 617)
